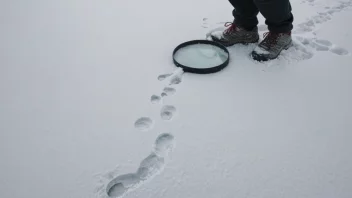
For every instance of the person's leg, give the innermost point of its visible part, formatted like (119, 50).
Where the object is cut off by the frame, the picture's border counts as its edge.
(278, 17)
(244, 27)
(277, 14)
(245, 13)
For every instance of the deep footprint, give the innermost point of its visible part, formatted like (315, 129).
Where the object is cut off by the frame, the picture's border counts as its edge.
(143, 123)
(121, 184)
(164, 144)
(167, 112)
(117, 190)
(148, 168)
(155, 99)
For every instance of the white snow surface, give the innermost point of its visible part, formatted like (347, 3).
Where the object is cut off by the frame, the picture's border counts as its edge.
(76, 77)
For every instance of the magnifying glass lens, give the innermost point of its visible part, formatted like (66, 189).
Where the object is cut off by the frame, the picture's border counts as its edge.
(201, 56)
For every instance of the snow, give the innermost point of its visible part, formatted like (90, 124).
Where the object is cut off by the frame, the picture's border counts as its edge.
(259, 50)
(76, 76)
(148, 168)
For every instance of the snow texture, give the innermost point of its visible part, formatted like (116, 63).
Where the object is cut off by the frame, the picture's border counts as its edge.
(259, 50)
(89, 106)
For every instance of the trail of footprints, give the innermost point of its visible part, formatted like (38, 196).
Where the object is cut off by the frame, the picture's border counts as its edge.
(164, 144)
(322, 45)
(148, 168)
(153, 164)
(321, 17)
(313, 22)
(167, 112)
(302, 47)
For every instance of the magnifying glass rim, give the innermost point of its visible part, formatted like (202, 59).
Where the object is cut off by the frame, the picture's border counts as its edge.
(201, 70)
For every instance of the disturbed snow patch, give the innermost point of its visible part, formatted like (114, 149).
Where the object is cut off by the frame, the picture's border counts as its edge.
(148, 168)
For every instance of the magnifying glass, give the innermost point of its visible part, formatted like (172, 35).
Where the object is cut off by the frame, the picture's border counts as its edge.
(201, 56)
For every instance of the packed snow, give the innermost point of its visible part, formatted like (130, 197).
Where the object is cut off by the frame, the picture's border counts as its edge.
(92, 105)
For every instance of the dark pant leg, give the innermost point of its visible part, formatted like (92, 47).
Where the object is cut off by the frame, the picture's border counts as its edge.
(277, 14)
(245, 13)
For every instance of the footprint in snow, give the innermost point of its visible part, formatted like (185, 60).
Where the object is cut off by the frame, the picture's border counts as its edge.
(322, 45)
(143, 124)
(175, 80)
(177, 77)
(155, 99)
(205, 23)
(339, 51)
(167, 112)
(148, 168)
(323, 42)
(163, 76)
(310, 24)
(121, 184)
(169, 91)
(164, 144)
(319, 46)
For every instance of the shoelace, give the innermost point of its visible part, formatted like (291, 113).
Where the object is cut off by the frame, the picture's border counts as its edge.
(232, 27)
(270, 39)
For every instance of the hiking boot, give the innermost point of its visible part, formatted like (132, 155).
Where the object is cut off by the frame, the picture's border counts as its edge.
(235, 34)
(271, 46)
